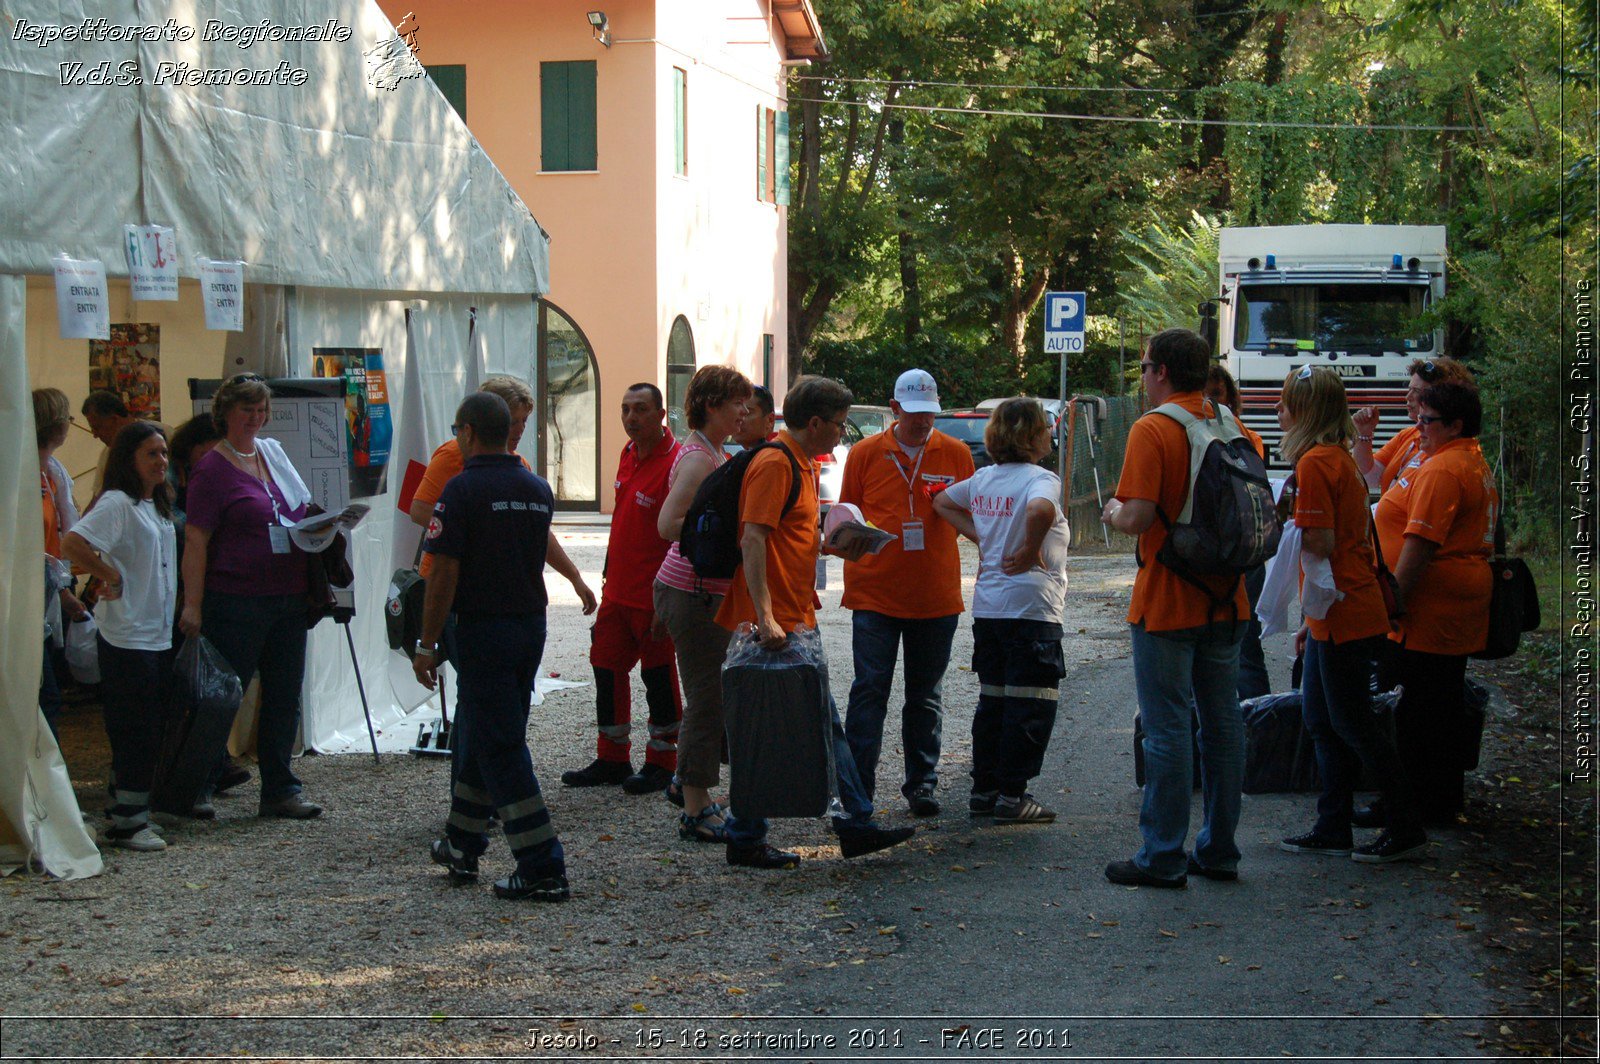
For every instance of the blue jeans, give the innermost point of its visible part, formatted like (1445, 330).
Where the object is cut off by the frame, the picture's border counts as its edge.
(851, 811)
(1336, 704)
(1175, 674)
(876, 639)
(49, 692)
(265, 634)
(497, 658)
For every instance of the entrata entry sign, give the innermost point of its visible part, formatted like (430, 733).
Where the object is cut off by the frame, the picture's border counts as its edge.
(1064, 314)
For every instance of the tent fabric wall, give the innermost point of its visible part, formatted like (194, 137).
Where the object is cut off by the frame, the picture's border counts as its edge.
(448, 370)
(39, 810)
(346, 181)
(355, 182)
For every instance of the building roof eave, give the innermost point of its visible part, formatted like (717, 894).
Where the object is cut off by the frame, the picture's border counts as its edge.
(801, 30)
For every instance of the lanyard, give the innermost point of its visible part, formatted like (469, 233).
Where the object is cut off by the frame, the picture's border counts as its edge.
(911, 481)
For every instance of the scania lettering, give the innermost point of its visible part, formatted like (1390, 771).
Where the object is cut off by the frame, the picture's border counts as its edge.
(1348, 298)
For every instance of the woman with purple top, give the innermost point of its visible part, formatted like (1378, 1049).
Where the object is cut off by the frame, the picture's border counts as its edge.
(244, 580)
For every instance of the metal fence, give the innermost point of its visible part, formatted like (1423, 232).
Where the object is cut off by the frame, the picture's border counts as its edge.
(1094, 446)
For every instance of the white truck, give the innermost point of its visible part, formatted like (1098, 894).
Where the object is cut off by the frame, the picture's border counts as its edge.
(1347, 297)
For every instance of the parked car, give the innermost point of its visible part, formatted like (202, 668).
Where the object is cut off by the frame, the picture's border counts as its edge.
(871, 420)
(968, 426)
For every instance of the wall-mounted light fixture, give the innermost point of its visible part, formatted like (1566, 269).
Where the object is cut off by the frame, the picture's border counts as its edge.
(601, 26)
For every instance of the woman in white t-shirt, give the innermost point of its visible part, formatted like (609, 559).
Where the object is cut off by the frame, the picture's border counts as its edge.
(127, 540)
(1010, 511)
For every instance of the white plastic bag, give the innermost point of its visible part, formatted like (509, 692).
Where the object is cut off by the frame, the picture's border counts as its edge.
(83, 651)
(1283, 571)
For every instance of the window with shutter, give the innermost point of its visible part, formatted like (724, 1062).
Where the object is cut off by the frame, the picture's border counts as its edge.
(452, 81)
(680, 121)
(567, 116)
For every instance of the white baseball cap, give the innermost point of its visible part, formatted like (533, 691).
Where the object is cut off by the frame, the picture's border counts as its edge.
(917, 393)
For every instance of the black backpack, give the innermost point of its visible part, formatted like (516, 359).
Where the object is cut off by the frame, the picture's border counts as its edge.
(1229, 521)
(710, 537)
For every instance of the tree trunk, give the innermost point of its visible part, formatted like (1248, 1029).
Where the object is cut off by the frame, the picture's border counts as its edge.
(1023, 292)
(910, 286)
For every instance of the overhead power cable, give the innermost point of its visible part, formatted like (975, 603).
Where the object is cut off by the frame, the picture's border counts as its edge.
(1147, 119)
(915, 82)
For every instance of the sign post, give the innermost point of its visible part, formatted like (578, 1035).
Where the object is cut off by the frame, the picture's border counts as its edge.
(1064, 314)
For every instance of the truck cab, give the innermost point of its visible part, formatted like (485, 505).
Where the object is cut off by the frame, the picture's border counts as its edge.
(1345, 297)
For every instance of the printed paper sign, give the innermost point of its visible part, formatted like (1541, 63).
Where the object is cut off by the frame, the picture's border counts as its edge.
(82, 309)
(152, 261)
(222, 288)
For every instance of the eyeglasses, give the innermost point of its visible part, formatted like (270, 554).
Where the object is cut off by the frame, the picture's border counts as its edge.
(455, 430)
(1428, 419)
(1304, 374)
(1146, 367)
(840, 424)
(243, 378)
(1428, 370)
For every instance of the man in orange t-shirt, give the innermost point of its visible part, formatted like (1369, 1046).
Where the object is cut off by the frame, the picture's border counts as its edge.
(910, 591)
(1185, 653)
(775, 590)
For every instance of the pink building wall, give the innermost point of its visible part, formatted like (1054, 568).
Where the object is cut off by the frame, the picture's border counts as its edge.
(634, 245)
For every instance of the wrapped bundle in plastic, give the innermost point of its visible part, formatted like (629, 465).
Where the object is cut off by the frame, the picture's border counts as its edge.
(780, 740)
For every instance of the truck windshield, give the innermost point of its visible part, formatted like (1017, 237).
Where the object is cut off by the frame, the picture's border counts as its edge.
(1333, 317)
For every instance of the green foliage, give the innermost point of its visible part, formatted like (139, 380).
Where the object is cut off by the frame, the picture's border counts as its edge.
(1171, 270)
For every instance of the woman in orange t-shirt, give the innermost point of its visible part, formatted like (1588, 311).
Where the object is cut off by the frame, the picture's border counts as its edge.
(52, 418)
(1342, 644)
(1436, 528)
(1404, 448)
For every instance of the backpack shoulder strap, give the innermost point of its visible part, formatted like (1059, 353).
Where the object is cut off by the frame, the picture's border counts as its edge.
(1176, 413)
(794, 480)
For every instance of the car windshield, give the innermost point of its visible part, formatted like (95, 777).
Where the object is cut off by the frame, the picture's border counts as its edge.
(965, 429)
(1332, 317)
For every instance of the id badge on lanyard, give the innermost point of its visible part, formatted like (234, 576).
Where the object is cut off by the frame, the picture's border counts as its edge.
(278, 529)
(911, 537)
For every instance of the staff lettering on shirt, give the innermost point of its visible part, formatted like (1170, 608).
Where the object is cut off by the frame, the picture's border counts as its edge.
(993, 505)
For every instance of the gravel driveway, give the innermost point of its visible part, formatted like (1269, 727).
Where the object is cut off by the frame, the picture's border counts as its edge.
(338, 937)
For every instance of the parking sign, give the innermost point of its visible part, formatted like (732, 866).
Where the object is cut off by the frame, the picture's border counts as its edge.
(1063, 322)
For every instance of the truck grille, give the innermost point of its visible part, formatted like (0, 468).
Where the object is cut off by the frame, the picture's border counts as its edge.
(1260, 413)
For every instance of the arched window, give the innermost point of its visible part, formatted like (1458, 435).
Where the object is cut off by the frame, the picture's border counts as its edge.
(569, 423)
(680, 370)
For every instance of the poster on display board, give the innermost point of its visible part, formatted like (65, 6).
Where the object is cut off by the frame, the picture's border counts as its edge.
(368, 428)
(152, 252)
(129, 365)
(307, 418)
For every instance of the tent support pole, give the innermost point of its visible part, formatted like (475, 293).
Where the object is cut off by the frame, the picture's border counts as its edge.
(361, 687)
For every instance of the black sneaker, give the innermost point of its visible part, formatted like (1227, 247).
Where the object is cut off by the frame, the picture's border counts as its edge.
(1391, 847)
(922, 801)
(598, 774)
(463, 869)
(1128, 874)
(1369, 816)
(203, 810)
(1311, 842)
(981, 803)
(518, 887)
(760, 855)
(649, 779)
(860, 841)
(1219, 875)
(1024, 810)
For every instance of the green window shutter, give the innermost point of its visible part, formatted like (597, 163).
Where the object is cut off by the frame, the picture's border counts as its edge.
(452, 81)
(553, 116)
(761, 152)
(567, 116)
(680, 121)
(581, 116)
(780, 159)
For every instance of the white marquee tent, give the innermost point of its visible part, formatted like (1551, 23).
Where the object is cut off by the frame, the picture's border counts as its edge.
(352, 198)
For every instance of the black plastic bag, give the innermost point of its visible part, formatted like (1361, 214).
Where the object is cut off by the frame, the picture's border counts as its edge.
(203, 698)
(780, 737)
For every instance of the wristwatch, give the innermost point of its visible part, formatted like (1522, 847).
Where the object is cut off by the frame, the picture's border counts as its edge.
(430, 649)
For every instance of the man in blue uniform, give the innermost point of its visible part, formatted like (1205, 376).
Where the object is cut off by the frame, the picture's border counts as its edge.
(490, 539)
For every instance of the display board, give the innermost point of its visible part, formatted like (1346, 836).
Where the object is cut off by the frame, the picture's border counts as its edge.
(308, 418)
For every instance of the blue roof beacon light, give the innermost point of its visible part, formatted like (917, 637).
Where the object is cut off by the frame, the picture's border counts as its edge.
(1272, 262)
(1396, 263)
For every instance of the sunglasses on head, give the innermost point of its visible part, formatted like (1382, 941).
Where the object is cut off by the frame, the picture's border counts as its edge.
(245, 378)
(1428, 370)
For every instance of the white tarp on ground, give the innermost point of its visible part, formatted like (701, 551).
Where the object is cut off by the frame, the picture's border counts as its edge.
(360, 187)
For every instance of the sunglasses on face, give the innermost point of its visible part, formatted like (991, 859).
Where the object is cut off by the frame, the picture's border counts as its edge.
(1428, 419)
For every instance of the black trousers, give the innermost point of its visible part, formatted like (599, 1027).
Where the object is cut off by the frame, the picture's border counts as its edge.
(1430, 726)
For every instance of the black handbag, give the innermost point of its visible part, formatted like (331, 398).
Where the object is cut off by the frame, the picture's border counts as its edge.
(402, 611)
(1513, 600)
(1388, 586)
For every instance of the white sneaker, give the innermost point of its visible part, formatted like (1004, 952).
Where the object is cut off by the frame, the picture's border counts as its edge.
(143, 840)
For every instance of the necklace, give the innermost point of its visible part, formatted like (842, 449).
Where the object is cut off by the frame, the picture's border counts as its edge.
(238, 453)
